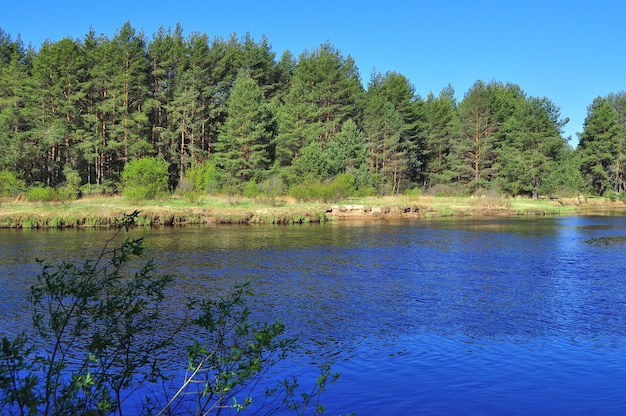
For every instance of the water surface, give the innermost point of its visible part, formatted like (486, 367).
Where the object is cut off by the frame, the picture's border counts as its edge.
(469, 316)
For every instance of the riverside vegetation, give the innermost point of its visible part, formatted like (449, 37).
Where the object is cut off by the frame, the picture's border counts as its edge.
(310, 203)
(223, 209)
(144, 186)
(103, 344)
(83, 117)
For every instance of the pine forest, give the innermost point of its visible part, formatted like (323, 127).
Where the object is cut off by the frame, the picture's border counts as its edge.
(230, 116)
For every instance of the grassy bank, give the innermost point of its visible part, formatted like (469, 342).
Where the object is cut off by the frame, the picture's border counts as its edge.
(102, 212)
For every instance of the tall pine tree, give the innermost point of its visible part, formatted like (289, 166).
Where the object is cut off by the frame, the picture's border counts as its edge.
(243, 143)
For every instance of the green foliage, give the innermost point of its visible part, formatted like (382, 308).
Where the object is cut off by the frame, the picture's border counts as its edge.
(251, 189)
(106, 188)
(10, 185)
(244, 142)
(41, 193)
(342, 186)
(386, 128)
(145, 178)
(414, 193)
(81, 110)
(205, 177)
(67, 193)
(72, 177)
(603, 148)
(324, 93)
(102, 336)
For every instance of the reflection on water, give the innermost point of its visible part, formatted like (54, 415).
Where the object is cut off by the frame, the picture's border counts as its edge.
(470, 316)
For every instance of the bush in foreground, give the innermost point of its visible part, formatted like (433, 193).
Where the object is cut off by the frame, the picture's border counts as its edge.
(102, 338)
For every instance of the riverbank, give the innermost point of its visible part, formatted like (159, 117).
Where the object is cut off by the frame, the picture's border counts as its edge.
(102, 212)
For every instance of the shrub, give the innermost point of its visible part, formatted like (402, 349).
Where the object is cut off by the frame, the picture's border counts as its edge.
(205, 177)
(10, 185)
(414, 193)
(342, 186)
(145, 178)
(41, 193)
(273, 186)
(251, 189)
(441, 190)
(309, 190)
(610, 195)
(67, 193)
(106, 188)
(72, 177)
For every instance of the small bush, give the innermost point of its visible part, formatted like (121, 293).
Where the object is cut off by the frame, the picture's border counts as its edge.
(413, 194)
(205, 177)
(72, 177)
(186, 189)
(340, 187)
(10, 185)
(67, 193)
(443, 191)
(145, 178)
(106, 188)
(314, 190)
(309, 190)
(610, 195)
(251, 189)
(273, 186)
(41, 193)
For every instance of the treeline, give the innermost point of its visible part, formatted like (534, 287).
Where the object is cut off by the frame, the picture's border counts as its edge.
(228, 115)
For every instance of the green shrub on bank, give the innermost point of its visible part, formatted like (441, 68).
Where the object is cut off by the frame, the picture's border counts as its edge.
(145, 178)
(313, 190)
(205, 177)
(108, 187)
(41, 193)
(10, 185)
(251, 189)
(67, 193)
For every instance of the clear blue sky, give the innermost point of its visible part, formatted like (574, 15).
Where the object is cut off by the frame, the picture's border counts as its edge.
(568, 51)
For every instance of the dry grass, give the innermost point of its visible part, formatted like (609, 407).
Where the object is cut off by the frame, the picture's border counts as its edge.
(102, 211)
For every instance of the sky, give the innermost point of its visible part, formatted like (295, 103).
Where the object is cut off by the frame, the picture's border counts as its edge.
(568, 51)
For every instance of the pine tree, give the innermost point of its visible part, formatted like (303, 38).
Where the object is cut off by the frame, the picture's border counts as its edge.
(166, 55)
(14, 122)
(532, 144)
(384, 127)
(243, 143)
(599, 147)
(130, 59)
(324, 92)
(93, 121)
(440, 133)
(56, 71)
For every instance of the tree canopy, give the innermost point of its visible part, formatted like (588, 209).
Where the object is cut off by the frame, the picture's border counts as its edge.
(90, 106)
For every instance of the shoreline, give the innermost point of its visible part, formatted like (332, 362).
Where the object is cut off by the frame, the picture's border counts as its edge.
(103, 211)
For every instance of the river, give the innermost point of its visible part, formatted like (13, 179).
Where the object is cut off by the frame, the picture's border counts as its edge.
(460, 316)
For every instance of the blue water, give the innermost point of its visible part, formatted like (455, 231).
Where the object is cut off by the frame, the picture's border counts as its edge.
(472, 316)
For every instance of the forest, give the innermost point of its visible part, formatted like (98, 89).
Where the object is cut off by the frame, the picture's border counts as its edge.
(230, 116)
